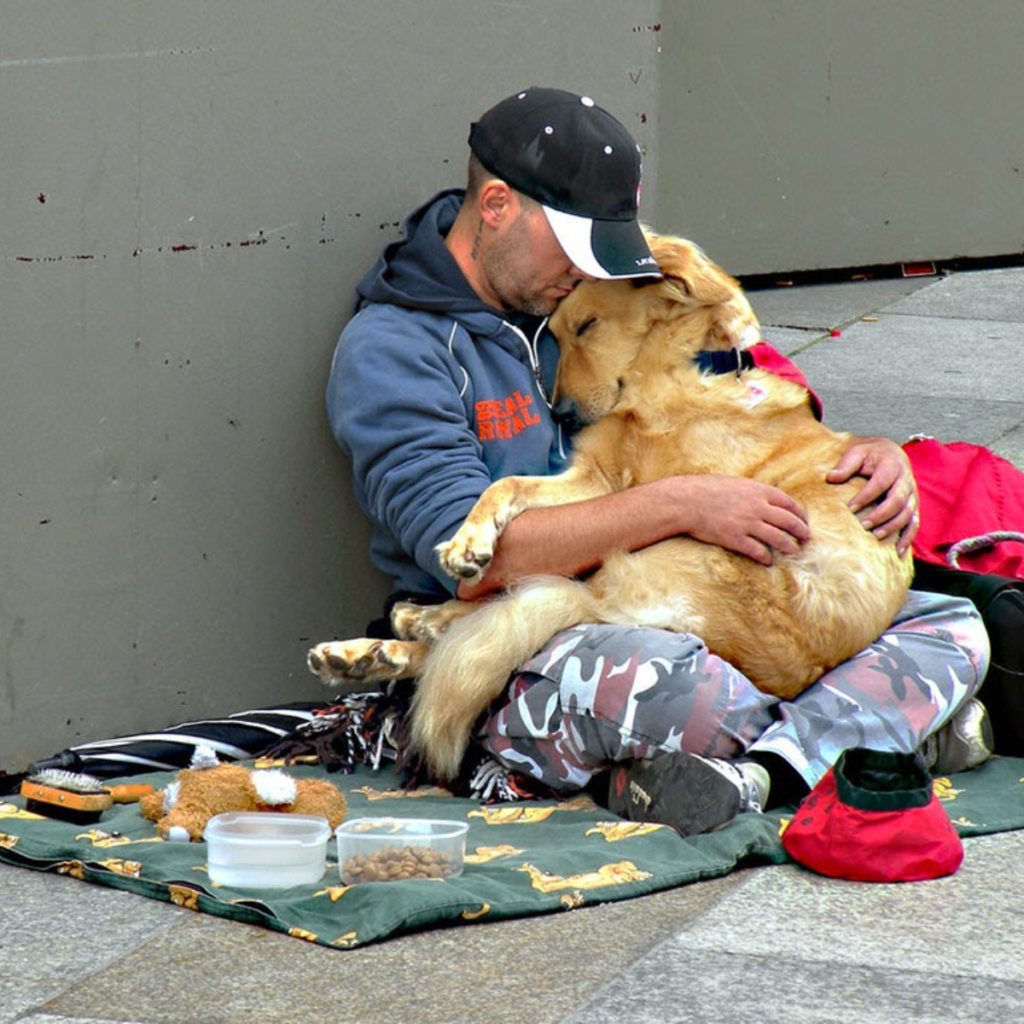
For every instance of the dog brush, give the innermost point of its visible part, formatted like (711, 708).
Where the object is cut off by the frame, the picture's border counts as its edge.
(74, 796)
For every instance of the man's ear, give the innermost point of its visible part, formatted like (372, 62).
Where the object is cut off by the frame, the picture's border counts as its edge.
(498, 203)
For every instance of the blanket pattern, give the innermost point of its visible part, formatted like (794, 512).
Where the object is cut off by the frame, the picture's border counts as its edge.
(522, 858)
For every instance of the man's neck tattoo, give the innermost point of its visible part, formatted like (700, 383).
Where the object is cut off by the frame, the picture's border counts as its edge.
(474, 253)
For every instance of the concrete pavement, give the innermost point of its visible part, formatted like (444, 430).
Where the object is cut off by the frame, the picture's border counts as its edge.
(942, 356)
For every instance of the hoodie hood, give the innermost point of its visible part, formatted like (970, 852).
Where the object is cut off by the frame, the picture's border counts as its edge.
(418, 271)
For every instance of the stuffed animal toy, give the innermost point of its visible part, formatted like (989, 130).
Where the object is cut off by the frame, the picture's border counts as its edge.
(209, 787)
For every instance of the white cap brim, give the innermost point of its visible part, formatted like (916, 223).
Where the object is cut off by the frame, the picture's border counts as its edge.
(605, 249)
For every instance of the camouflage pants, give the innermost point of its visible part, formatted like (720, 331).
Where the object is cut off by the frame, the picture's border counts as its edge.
(597, 694)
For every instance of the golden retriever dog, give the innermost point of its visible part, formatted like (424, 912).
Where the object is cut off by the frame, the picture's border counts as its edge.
(628, 365)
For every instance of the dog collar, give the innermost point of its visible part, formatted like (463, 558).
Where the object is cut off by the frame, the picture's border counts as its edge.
(733, 361)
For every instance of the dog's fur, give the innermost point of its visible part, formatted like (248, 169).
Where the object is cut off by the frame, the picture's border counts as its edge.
(626, 363)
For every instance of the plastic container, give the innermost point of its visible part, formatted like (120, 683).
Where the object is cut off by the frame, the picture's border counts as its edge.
(266, 849)
(394, 849)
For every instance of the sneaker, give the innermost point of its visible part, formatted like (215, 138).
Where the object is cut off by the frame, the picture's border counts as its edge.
(691, 793)
(963, 743)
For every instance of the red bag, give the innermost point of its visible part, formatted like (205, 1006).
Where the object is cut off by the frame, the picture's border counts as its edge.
(875, 818)
(972, 507)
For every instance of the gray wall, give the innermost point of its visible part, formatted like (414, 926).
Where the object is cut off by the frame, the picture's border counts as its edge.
(804, 134)
(190, 189)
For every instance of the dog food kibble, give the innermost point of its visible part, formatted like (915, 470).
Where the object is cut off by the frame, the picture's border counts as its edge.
(394, 863)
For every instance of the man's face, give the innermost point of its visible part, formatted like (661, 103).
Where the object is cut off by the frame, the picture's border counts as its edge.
(525, 266)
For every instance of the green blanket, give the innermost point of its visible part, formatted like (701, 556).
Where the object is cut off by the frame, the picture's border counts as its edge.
(524, 858)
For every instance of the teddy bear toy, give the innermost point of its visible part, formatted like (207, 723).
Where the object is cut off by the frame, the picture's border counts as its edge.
(209, 787)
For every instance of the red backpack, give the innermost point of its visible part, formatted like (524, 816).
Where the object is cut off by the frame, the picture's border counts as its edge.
(971, 544)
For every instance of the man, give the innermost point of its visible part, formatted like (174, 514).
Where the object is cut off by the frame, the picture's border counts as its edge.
(440, 384)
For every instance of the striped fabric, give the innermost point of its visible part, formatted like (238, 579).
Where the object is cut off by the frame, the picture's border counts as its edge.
(236, 737)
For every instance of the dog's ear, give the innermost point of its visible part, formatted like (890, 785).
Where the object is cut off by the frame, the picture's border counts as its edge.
(686, 270)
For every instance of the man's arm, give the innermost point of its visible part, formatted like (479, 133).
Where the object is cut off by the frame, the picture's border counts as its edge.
(742, 515)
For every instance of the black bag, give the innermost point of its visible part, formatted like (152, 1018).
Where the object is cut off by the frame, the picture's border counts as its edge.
(1000, 600)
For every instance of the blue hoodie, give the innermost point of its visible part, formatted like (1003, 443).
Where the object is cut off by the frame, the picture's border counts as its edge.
(434, 394)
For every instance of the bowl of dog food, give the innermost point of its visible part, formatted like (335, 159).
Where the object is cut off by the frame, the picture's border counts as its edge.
(397, 849)
(266, 849)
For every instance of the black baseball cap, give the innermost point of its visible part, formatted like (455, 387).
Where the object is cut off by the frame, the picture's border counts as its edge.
(581, 165)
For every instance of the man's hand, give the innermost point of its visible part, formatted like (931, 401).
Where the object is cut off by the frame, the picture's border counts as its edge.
(887, 469)
(745, 516)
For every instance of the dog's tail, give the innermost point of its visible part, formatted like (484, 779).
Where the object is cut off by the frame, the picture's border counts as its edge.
(472, 661)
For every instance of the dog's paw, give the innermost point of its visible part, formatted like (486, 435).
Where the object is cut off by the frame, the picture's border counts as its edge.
(426, 622)
(408, 620)
(470, 551)
(343, 662)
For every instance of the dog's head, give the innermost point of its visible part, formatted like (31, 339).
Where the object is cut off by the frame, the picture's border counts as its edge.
(606, 328)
